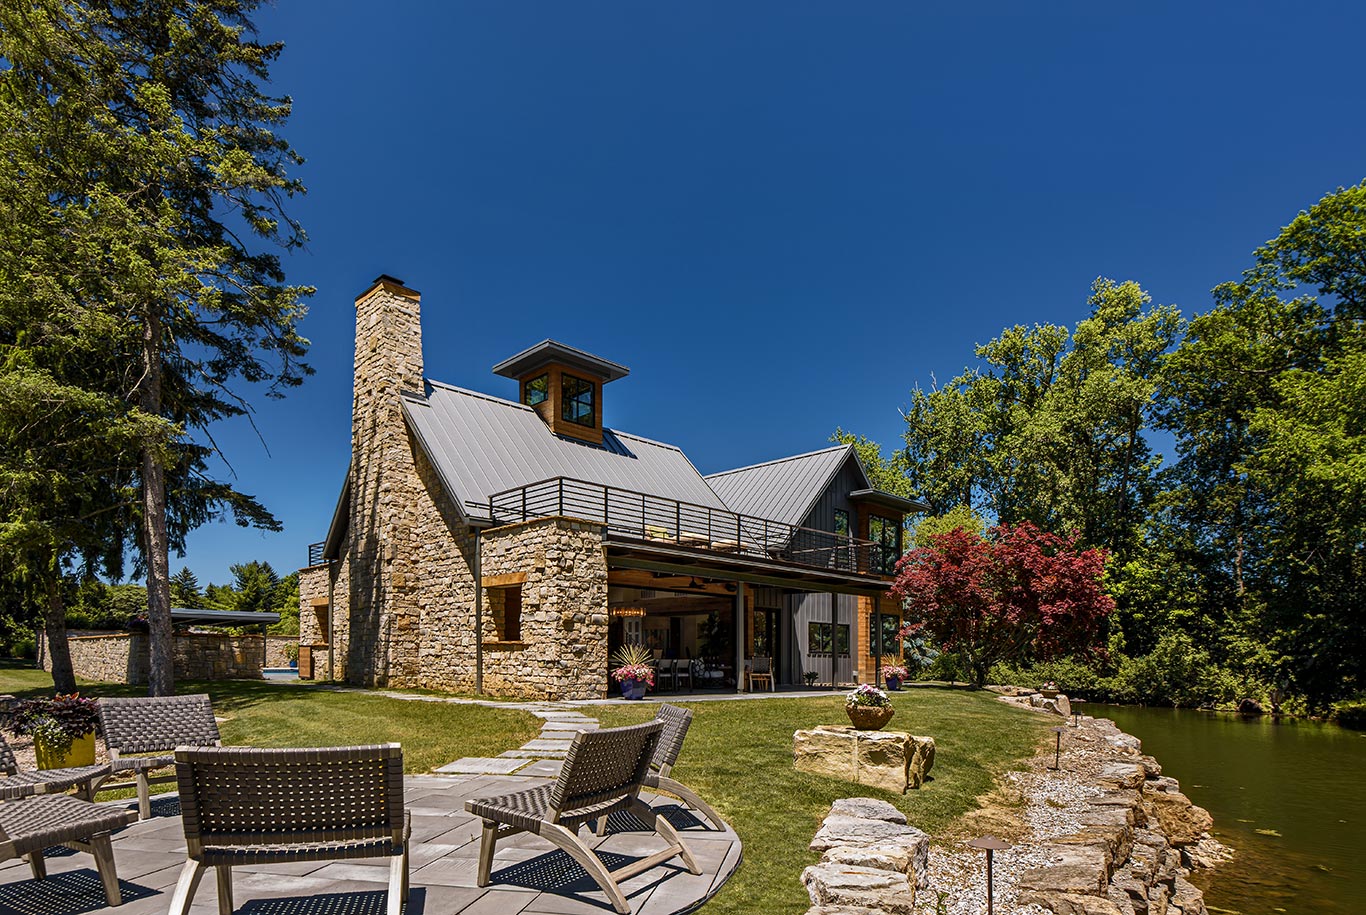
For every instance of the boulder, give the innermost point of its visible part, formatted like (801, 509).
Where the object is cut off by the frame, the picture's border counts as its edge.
(1187, 899)
(891, 760)
(857, 831)
(869, 809)
(1070, 903)
(909, 855)
(1122, 775)
(863, 887)
(842, 910)
(1123, 798)
(1058, 705)
(1072, 870)
(1208, 852)
(1181, 821)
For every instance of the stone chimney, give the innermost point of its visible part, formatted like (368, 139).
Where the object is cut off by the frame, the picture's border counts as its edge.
(384, 480)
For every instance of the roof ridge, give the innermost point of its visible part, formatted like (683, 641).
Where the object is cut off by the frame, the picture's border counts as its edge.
(502, 401)
(782, 460)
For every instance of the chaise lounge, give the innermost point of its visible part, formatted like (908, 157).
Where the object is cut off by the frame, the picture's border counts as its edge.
(603, 772)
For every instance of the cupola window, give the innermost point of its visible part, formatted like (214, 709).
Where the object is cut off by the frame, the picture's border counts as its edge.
(537, 390)
(576, 401)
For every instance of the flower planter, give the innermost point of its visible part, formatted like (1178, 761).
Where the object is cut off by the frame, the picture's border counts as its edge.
(632, 689)
(869, 717)
(894, 683)
(81, 753)
(1050, 693)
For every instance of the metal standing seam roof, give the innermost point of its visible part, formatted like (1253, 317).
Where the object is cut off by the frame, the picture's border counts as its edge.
(482, 445)
(783, 490)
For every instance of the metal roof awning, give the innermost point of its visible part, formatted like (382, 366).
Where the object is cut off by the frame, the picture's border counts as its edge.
(224, 617)
(891, 500)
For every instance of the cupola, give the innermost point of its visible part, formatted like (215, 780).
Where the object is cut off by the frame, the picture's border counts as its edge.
(564, 386)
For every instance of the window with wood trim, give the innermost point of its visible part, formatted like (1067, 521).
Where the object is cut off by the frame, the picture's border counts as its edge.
(576, 401)
(505, 606)
(886, 536)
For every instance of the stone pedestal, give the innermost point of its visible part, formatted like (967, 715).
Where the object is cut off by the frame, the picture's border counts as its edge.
(892, 760)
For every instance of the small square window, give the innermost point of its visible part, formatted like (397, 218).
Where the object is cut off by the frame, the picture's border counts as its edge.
(536, 390)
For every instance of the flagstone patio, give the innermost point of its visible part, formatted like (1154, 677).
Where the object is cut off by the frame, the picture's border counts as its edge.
(530, 877)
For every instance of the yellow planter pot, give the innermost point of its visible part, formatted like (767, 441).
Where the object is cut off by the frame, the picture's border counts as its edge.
(82, 753)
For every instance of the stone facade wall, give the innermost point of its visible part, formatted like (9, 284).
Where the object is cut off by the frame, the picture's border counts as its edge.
(562, 652)
(125, 657)
(314, 584)
(277, 649)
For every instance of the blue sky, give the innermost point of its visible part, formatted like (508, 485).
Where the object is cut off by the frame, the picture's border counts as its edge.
(781, 216)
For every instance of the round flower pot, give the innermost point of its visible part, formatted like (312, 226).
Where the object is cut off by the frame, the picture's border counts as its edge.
(869, 717)
(632, 689)
(1050, 693)
(81, 753)
(894, 683)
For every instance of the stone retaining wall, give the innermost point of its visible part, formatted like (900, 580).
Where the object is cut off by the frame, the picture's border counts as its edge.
(125, 657)
(1106, 834)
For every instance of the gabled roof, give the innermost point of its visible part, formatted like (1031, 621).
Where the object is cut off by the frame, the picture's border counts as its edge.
(548, 351)
(783, 490)
(482, 445)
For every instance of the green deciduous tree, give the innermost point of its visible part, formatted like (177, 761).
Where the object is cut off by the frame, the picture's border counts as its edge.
(154, 189)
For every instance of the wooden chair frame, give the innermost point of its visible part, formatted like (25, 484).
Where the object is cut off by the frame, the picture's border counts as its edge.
(603, 772)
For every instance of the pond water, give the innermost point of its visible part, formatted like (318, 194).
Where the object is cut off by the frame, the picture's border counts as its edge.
(1289, 797)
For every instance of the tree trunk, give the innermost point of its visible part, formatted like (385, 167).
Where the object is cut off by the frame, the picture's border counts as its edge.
(63, 677)
(156, 549)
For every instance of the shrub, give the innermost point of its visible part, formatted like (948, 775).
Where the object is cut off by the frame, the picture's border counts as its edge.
(56, 721)
(1351, 713)
(25, 648)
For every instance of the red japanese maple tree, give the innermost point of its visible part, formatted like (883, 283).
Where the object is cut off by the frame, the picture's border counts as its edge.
(1017, 593)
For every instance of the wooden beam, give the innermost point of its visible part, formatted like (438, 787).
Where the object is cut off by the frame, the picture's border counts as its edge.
(653, 581)
(504, 581)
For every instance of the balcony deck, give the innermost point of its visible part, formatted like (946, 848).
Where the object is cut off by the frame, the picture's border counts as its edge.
(655, 521)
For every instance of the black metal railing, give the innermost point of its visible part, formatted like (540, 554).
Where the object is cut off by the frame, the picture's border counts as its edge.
(315, 553)
(661, 520)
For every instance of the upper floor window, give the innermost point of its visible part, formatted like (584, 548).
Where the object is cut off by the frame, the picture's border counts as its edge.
(536, 390)
(576, 401)
(841, 522)
(886, 536)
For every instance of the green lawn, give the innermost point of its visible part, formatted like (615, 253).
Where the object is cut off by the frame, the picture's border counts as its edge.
(266, 714)
(738, 755)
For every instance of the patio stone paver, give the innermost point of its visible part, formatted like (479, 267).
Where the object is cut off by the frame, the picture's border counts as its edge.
(530, 877)
(481, 765)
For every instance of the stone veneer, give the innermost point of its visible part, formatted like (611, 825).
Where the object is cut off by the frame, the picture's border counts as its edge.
(125, 657)
(403, 589)
(562, 652)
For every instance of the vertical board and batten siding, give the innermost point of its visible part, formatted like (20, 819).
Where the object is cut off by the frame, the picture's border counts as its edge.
(812, 607)
(836, 497)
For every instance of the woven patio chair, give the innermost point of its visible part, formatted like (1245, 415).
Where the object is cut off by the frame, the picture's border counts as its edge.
(602, 773)
(47, 781)
(155, 726)
(28, 826)
(676, 722)
(246, 806)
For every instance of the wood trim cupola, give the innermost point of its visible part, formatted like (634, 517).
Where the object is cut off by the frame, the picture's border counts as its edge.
(564, 386)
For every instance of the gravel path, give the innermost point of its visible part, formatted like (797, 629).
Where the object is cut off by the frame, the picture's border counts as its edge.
(1052, 804)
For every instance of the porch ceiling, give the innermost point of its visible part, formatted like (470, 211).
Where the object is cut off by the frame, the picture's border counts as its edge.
(656, 557)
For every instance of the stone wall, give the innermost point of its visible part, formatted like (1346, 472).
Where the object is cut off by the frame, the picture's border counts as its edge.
(562, 569)
(313, 616)
(125, 657)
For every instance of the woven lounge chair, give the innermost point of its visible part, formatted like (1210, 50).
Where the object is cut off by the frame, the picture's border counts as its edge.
(602, 773)
(246, 806)
(676, 722)
(47, 781)
(28, 826)
(154, 725)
